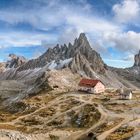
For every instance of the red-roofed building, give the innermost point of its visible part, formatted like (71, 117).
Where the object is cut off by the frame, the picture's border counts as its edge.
(91, 85)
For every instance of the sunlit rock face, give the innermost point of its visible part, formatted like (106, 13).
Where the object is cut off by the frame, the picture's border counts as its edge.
(15, 61)
(137, 59)
(65, 55)
(25, 78)
(2, 67)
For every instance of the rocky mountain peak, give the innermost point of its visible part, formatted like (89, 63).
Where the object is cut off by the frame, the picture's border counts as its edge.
(82, 41)
(137, 59)
(82, 36)
(15, 61)
(78, 57)
(85, 58)
(76, 54)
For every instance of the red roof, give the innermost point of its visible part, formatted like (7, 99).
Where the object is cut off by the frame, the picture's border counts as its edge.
(88, 82)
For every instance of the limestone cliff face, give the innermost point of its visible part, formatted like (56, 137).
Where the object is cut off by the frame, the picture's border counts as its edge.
(137, 59)
(78, 57)
(15, 61)
(81, 48)
(81, 58)
(2, 67)
(85, 58)
(131, 74)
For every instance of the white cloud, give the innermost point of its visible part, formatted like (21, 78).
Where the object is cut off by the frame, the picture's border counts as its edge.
(124, 41)
(126, 11)
(70, 18)
(22, 39)
(130, 57)
(118, 63)
(59, 13)
(91, 24)
(68, 35)
(45, 14)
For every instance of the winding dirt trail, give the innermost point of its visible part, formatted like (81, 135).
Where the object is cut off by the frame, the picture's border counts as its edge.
(104, 115)
(79, 134)
(107, 133)
(102, 120)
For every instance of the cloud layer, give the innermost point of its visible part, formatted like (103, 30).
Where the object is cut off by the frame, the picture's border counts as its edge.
(29, 23)
(126, 11)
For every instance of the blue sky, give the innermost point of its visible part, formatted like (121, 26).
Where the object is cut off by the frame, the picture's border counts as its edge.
(29, 27)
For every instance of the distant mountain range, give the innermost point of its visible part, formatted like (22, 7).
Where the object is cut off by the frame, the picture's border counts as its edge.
(81, 59)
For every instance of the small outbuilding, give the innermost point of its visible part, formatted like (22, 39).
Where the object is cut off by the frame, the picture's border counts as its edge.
(91, 85)
(126, 95)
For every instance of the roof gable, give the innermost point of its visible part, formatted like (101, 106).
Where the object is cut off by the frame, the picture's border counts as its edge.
(88, 82)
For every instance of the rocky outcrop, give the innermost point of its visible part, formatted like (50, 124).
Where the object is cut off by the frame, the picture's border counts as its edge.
(2, 67)
(30, 77)
(17, 85)
(86, 58)
(15, 61)
(61, 53)
(137, 59)
(80, 57)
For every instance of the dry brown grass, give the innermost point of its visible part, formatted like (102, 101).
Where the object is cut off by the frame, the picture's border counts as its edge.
(123, 133)
(29, 121)
(107, 126)
(46, 112)
(118, 108)
(6, 116)
(53, 137)
(68, 104)
(86, 117)
(13, 127)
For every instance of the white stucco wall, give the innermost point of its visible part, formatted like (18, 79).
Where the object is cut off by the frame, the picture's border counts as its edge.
(99, 88)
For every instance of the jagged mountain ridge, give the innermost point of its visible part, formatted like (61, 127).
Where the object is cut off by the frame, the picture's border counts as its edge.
(15, 61)
(137, 59)
(79, 58)
(81, 47)
(28, 77)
